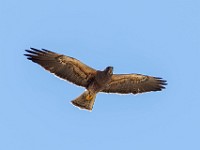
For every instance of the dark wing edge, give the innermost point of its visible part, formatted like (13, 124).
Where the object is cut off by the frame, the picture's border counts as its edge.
(134, 83)
(65, 67)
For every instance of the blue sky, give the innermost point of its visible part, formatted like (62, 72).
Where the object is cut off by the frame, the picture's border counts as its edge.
(158, 38)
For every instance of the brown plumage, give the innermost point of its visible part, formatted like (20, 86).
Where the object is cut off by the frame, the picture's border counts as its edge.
(94, 81)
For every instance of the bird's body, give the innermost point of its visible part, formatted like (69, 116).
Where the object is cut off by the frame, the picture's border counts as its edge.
(101, 79)
(94, 81)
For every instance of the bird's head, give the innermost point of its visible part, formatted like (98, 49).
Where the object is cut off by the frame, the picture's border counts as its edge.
(109, 70)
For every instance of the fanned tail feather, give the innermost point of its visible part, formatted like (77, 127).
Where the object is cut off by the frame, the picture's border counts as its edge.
(83, 103)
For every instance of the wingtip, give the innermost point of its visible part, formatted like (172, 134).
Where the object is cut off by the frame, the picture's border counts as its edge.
(33, 48)
(161, 83)
(161, 80)
(46, 50)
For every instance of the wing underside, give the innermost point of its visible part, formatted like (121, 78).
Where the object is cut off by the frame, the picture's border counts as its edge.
(134, 83)
(65, 67)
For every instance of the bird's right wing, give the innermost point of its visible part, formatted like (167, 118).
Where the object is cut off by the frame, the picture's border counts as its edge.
(65, 67)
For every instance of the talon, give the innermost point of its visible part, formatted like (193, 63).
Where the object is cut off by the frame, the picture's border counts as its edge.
(89, 97)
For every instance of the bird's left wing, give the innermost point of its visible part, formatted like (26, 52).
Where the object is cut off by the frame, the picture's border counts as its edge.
(134, 83)
(65, 67)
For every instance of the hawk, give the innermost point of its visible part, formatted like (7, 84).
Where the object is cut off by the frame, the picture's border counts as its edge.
(73, 70)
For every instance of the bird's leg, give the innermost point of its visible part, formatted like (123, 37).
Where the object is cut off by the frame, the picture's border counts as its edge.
(89, 97)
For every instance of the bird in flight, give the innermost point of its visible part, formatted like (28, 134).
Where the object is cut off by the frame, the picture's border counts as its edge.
(73, 70)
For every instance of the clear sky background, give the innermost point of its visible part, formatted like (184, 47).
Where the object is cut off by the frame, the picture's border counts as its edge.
(158, 37)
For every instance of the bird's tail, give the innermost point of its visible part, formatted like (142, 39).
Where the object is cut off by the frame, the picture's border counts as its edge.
(85, 101)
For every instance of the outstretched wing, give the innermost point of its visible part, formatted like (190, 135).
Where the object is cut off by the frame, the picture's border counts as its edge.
(65, 67)
(134, 83)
